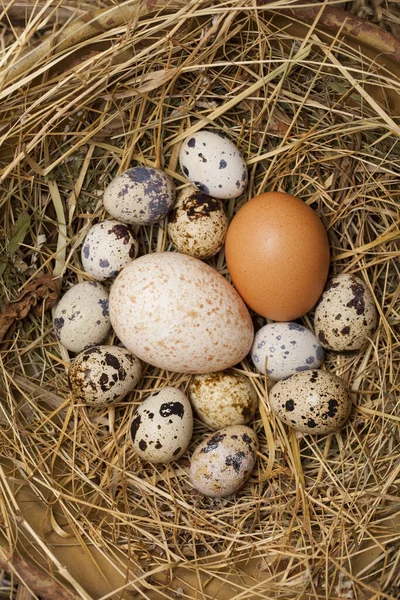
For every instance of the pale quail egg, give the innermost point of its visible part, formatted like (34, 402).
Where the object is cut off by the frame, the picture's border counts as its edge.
(103, 374)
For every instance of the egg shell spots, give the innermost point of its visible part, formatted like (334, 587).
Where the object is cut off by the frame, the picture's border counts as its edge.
(277, 254)
(198, 224)
(213, 164)
(346, 315)
(177, 313)
(81, 317)
(284, 349)
(107, 248)
(103, 374)
(162, 426)
(312, 402)
(140, 196)
(223, 399)
(222, 463)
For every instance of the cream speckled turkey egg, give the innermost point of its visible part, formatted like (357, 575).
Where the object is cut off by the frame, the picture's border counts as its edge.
(140, 196)
(223, 399)
(162, 426)
(198, 224)
(213, 164)
(285, 349)
(346, 315)
(107, 248)
(223, 462)
(81, 317)
(103, 374)
(178, 313)
(312, 402)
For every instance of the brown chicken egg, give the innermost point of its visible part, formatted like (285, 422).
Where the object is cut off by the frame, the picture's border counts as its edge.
(277, 253)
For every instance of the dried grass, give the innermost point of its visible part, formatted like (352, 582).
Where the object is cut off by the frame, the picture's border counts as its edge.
(319, 517)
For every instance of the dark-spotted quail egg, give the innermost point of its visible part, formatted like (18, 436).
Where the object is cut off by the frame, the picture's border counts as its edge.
(81, 317)
(103, 374)
(140, 196)
(346, 315)
(222, 399)
(108, 247)
(312, 402)
(162, 426)
(198, 224)
(222, 463)
(213, 164)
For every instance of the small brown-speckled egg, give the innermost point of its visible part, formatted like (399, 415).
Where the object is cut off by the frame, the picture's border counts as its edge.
(223, 399)
(198, 224)
(213, 164)
(140, 196)
(162, 426)
(103, 374)
(346, 315)
(222, 463)
(81, 317)
(107, 248)
(312, 402)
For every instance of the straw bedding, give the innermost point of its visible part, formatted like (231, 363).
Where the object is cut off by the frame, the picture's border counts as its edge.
(319, 517)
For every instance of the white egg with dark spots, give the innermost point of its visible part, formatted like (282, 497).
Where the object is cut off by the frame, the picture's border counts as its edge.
(223, 462)
(213, 164)
(282, 349)
(103, 375)
(346, 315)
(140, 196)
(198, 224)
(162, 426)
(81, 317)
(312, 402)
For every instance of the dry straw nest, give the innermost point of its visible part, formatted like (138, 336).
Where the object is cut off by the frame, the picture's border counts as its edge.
(83, 97)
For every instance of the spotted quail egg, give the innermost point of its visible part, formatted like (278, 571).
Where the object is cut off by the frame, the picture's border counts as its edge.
(140, 196)
(103, 374)
(81, 316)
(312, 402)
(198, 224)
(346, 315)
(108, 247)
(222, 463)
(162, 426)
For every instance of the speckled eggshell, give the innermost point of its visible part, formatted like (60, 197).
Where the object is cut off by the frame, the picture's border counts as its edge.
(178, 313)
(223, 399)
(198, 224)
(107, 248)
(81, 317)
(162, 426)
(346, 315)
(285, 349)
(103, 374)
(312, 402)
(222, 463)
(140, 196)
(213, 164)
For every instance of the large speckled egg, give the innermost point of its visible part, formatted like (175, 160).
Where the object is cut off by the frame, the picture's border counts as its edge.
(223, 399)
(222, 463)
(282, 349)
(140, 196)
(277, 253)
(346, 315)
(178, 313)
(107, 248)
(213, 164)
(162, 426)
(81, 317)
(312, 402)
(198, 224)
(103, 374)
